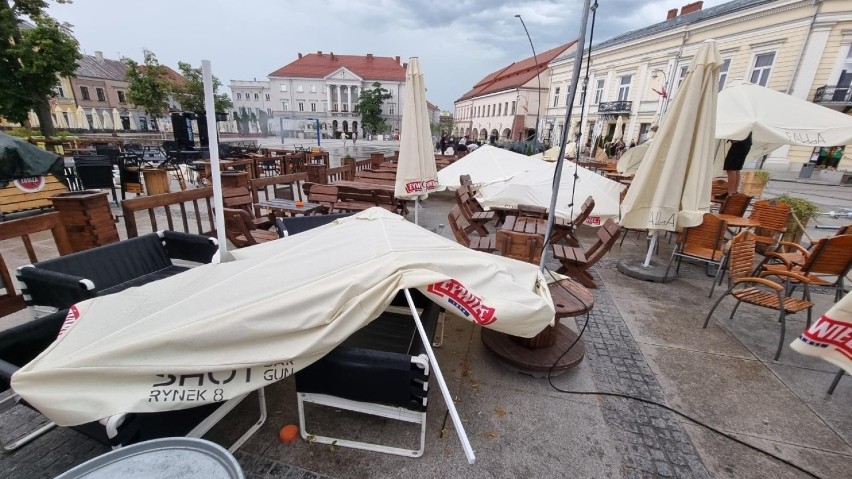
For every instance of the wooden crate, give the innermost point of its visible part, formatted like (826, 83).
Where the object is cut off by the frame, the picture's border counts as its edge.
(87, 218)
(13, 198)
(751, 185)
(156, 180)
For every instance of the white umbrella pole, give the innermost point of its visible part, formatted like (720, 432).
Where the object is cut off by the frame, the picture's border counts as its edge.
(213, 146)
(572, 91)
(416, 211)
(448, 398)
(654, 238)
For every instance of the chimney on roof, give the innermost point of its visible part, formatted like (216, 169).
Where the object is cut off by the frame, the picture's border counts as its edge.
(396, 58)
(332, 56)
(300, 55)
(672, 13)
(691, 7)
(405, 66)
(99, 56)
(369, 56)
(319, 52)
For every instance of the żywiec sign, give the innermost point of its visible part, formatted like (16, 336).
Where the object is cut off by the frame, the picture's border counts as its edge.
(33, 184)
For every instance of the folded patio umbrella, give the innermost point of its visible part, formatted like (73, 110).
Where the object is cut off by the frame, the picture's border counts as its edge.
(59, 117)
(830, 337)
(96, 120)
(220, 330)
(116, 120)
(485, 165)
(629, 162)
(21, 159)
(107, 123)
(82, 121)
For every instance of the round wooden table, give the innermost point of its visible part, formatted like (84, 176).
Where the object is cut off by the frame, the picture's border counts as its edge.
(537, 355)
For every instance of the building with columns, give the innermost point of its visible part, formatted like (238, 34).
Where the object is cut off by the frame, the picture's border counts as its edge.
(325, 87)
(799, 47)
(506, 103)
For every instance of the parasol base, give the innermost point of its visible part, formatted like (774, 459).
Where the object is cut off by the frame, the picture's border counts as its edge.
(536, 362)
(655, 271)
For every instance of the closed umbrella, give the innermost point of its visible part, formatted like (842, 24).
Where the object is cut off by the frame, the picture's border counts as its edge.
(133, 125)
(655, 125)
(116, 120)
(34, 123)
(96, 120)
(82, 121)
(619, 128)
(629, 162)
(107, 123)
(671, 189)
(72, 118)
(59, 115)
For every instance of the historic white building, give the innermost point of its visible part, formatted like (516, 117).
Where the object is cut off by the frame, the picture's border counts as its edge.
(325, 87)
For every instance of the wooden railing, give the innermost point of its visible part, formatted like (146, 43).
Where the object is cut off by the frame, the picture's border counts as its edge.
(10, 300)
(198, 202)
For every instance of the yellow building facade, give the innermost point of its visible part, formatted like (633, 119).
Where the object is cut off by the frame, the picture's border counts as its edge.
(799, 47)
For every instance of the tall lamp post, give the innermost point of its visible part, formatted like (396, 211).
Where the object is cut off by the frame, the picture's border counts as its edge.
(537, 74)
(665, 93)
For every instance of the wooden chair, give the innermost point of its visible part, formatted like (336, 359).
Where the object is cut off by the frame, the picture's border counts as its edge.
(703, 243)
(576, 262)
(773, 217)
(324, 195)
(520, 246)
(240, 230)
(796, 256)
(473, 212)
(735, 205)
(760, 291)
(241, 198)
(829, 258)
(563, 230)
(718, 190)
(458, 225)
(532, 211)
(465, 181)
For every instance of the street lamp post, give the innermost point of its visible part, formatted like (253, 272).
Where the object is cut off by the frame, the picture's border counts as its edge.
(537, 75)
(665, 93)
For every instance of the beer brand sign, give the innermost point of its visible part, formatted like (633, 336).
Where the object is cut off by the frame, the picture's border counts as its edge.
(421, 186)
(467, 303)
(33, 184)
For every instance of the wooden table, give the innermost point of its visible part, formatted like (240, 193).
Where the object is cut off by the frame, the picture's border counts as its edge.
(537, 355)
(521, 224)
(737, 221)
(288, 206)
(361, 185)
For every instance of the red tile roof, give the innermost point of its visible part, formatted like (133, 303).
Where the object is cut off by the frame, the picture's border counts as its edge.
(171, 74)
(516, 74)
(319, 65)
(430, 106)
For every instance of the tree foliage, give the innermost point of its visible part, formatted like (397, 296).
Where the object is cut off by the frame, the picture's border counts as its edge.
(149, 85)
(190, 94)
(32, 59)
(370, 106)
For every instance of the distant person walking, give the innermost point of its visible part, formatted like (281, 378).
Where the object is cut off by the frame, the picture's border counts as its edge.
(734, 161)
(354, 138)
(443, 143)
(343, 136)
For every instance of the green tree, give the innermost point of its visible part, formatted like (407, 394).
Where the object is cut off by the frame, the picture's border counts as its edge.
(149, 85)
(370, 106)
(190, 94)
(32, 59)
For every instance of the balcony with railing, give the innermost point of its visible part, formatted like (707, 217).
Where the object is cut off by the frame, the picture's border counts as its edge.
(615, 107)
(834, 95)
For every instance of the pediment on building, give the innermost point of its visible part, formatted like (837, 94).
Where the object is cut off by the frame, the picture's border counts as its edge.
(343, 73)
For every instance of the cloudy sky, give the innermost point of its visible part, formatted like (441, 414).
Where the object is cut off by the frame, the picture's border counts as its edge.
(458, 42)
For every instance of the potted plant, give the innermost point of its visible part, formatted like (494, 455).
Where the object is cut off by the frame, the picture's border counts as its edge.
(753, 183)
(803, 210)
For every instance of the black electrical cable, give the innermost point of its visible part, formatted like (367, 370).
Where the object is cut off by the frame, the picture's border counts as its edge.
(648, 401)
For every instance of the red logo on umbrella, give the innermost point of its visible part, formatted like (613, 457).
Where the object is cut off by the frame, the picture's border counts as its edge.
(469, 304)
(420, 185)
(32, 184)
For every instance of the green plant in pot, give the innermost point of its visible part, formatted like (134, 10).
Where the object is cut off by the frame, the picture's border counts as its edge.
(804, 211)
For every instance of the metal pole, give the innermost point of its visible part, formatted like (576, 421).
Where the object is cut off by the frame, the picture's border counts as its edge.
(318, 133)
(213, 147)
(537, 75)
(572, 91)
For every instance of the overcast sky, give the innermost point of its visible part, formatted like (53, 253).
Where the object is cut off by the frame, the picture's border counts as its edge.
(458, 42)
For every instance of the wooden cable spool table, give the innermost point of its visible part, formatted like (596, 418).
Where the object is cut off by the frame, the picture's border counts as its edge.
(537, 355)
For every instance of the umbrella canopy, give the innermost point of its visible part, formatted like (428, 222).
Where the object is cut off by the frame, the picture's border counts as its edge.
(82, 121)
(672, 189)
(220, 326)
(96, 120)
(775, 119)
(416, 173)
(619, 128)
(485, 165)
(552, 154)
(116, 120)
(133, 125)
(107, 123)
(34, 123)
(828, 337)
(21, 159)
(535, 187)
(59, 117)
(72, 118)
(629, 162)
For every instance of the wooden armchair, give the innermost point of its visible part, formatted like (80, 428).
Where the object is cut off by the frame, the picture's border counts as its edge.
(736, 205)
(520, 246)
(240, 230)
(460, 226)
(773, 217)
(473, 212)
(241, 198)
(576, 262)
(826, 264)
(563, 230)
(324, 195)
(795, 254)
(746, 288)
(704, 243)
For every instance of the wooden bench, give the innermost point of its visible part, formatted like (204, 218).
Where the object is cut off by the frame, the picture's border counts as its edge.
(459, 227)
(377, 177)
(576, 262)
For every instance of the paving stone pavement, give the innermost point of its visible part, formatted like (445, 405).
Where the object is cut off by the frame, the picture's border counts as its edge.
(259, 467)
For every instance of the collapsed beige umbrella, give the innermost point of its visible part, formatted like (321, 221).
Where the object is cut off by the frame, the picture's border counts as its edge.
(96, 120)
(116, 120)
(629, 162)
(107, 122)
(59, 115)
(72, 118)
(828, 337)
(416, 173)
(619, 128)
(82, 121)
(671, 189)
(655, 125)
(133, 125)
(34, 123)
